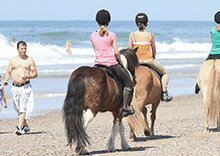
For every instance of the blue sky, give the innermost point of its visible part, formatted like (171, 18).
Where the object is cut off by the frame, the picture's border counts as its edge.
(120, 9)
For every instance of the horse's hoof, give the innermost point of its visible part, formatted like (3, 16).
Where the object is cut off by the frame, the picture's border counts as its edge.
(206, 130)
(152, 136)
(125, 147)
(135, 139)
(146, 133)
(110, 148)
(84, 152)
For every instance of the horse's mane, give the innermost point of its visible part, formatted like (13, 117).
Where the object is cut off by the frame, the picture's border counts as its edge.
(132, 60)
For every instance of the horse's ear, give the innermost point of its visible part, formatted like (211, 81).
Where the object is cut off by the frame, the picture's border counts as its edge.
(135, 49)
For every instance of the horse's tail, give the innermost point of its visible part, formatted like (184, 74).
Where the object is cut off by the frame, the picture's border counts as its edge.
(136, 121)
(213, 97)
(73, 111)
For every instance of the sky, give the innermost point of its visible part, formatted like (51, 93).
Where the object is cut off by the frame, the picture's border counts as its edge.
(193, 10)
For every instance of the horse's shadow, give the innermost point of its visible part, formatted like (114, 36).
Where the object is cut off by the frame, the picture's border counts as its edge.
(28, 133)
(214, 130)
(156, 137)
(136, 149)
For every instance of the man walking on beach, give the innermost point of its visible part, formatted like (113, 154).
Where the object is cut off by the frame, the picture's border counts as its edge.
(23, 69)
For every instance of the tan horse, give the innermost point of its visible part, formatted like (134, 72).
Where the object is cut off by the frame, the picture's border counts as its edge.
(147, 91)
(209, 83)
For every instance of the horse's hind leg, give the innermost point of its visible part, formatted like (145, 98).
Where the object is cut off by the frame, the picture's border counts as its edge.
(88, 116)
(132, 134)
(206, 113)
(218, 121)
(124, 144)
(153, 116)
(146, 131)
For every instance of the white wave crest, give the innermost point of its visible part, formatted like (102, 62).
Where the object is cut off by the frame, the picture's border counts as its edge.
(53, 54)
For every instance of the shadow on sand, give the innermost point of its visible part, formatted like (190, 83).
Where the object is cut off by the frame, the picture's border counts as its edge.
(5, 132)
(28, 133)
(120, 150)
(156, 137)
(214, 130)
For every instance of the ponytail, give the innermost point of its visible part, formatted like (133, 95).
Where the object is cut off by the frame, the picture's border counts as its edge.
(103, 30)
(141, 26)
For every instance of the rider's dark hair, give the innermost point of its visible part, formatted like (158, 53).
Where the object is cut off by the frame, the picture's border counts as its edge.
(217, 17)
(103, 17)
(141, 20)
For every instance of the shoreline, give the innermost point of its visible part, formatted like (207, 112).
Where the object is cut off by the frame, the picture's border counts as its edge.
(42, 112)
(178, 128)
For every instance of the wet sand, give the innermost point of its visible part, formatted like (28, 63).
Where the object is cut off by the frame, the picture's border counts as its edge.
(178, 128)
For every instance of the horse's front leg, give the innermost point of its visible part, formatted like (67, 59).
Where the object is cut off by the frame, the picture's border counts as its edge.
(124, 144)
(110, 146)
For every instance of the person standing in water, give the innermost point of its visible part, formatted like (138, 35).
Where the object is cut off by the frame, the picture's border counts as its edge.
(23, 69)
(106, 51)
(146, 52)
(68, 47)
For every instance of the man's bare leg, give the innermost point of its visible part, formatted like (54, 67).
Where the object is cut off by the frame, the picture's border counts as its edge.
(21, 120)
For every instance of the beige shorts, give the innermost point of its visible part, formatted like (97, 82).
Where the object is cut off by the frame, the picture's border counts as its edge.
(23, 99)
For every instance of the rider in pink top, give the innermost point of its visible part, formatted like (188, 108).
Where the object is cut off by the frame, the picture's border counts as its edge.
(106, 51)
(103, 48)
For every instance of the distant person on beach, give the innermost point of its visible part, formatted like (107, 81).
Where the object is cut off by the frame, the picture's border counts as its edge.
(68, 47)
(13, 42)
(215, 36)
(2, 96)
(106, 51)
(23, 69)
(146, 52)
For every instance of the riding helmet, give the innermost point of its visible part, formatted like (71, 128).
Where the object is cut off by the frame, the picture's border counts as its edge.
(103, 17)
(141, 18)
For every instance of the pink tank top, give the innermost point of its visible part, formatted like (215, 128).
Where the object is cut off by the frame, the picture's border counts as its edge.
(102, 45)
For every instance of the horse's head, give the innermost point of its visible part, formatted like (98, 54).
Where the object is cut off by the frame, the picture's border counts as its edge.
(129, 59)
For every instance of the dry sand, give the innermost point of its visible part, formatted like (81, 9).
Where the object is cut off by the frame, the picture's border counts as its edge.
(178, 128)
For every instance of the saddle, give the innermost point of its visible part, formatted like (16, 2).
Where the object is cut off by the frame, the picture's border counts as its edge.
(156, 72)
(111, 74)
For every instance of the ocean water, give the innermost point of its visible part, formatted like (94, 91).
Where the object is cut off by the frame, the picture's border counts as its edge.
(182, 46)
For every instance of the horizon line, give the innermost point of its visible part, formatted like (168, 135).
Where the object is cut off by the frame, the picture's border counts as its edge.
(94, 20)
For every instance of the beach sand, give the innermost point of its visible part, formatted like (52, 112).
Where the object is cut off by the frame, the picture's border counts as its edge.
(178, 128)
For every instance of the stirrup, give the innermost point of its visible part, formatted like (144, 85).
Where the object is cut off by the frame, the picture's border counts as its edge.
(166, 97)
(197, 89)
(126, 112)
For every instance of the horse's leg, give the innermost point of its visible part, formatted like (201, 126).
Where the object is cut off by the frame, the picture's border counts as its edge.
(132, 134)
(124, 144)
(88, 116)
(110, 146)
(206, 111)
(146, 131)
(153, 116)
(218, 121)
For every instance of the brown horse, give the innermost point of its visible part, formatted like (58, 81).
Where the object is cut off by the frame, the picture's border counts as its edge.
(209, 82)
(91, 90)
(147, 91)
